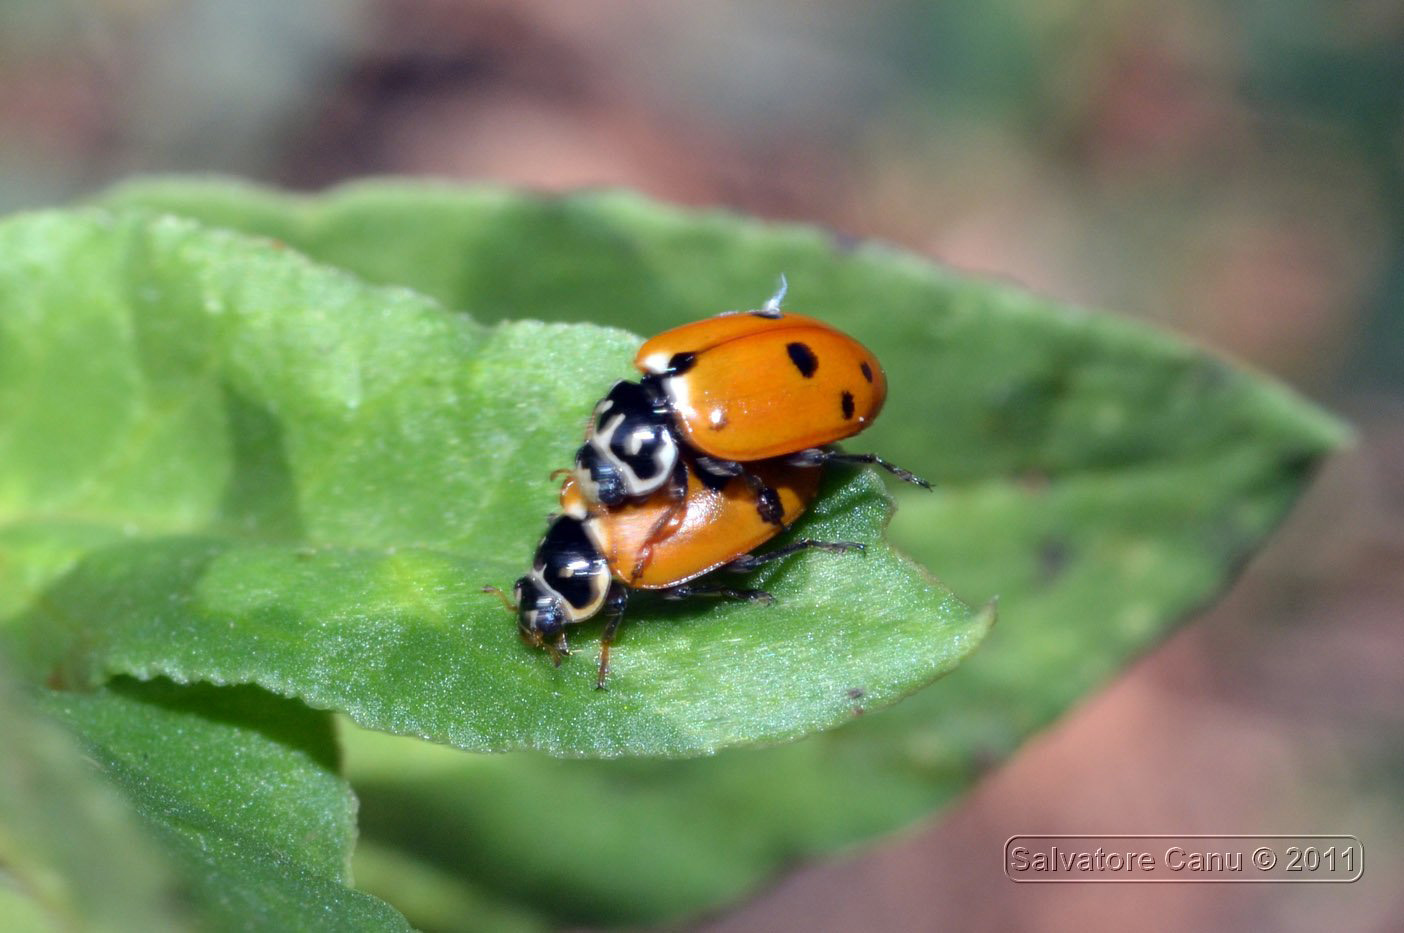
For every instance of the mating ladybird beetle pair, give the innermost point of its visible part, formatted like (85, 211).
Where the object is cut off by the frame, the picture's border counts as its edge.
(593, 557)
(713, 452)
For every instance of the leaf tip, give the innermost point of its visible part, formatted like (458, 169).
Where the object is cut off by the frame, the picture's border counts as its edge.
(982, 622)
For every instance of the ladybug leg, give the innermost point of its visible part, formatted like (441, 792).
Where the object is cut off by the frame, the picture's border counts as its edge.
(667, 522)
(714, 473)
(495, 591)
(748, 562)
(688, 591)
(615, 602)
(818, 456)
(767, 499)
(557, 649)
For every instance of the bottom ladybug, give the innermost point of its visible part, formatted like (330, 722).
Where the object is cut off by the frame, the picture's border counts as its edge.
(591, 558)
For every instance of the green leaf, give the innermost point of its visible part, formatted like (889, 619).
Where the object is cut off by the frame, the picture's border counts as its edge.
(240, 790)
(266, 472)
(1102, 479)
(60, 826)
(435, 898)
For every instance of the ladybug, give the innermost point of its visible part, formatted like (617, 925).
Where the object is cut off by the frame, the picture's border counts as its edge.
(592, 558)
(736, 388)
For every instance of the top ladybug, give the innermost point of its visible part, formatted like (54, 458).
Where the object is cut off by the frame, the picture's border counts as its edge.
(738, 387)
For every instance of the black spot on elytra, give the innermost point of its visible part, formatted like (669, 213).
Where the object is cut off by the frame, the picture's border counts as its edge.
(680, 363)
(803, 358)
(847, 402)
(867, 371)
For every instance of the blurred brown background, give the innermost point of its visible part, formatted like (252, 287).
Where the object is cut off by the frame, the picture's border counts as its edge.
(1232, 171)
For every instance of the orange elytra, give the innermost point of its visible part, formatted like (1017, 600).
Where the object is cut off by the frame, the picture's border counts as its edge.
(660, 542)
(758, 384)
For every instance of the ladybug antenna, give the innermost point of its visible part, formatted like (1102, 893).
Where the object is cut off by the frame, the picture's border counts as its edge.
(772, 305)
(502, 596)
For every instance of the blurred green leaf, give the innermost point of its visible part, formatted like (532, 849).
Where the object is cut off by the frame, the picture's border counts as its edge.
(436, 898)
(60, 826)
(267, 472)
(240, 791)
(1103, 480)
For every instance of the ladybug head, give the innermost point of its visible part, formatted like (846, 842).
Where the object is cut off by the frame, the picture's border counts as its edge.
(541, 618)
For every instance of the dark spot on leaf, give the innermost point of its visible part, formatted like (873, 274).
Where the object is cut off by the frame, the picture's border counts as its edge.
(803, 358)
(1034, 481)
(867, 371)
(847, 402)
(1303, 462)
(856, 693)
(1054, 555)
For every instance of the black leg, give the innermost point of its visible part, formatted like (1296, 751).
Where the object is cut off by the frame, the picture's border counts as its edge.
(818, 456)
(767, 499)
(558, 649)
(749, 562)
(615, 602)
(689, 590)
(715, 472)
